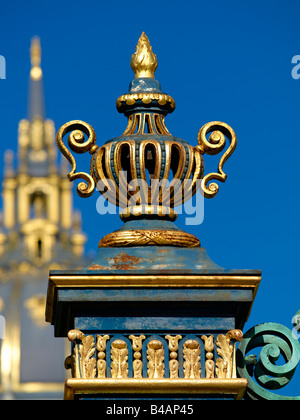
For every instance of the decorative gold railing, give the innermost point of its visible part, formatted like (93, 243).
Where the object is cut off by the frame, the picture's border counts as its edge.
(153, 357)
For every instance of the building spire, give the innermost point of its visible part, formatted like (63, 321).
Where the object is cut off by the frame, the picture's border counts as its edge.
(36, 58)
(37, 152)
(36, 106)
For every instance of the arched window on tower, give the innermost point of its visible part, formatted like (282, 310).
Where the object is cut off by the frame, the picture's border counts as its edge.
(38, 206)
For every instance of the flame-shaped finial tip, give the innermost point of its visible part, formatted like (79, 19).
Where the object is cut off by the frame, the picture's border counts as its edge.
(144, 61)
(36, 58)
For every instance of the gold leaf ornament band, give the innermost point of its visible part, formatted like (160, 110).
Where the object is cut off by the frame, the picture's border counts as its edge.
(78, 144)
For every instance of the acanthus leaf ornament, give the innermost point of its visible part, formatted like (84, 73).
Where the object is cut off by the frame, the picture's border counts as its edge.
(192, 357)
(119, 355)
(84, 362)
(226, 364)
(156, 357)
(144, 362)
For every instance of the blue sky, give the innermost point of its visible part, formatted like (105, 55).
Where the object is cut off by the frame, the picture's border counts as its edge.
(221, 60)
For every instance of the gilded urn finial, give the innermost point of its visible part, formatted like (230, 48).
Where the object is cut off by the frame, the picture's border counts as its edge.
(144, 61)
(147, 171)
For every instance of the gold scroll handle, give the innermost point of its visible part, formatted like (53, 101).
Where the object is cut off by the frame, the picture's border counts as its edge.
(215, 144)
(78, 144)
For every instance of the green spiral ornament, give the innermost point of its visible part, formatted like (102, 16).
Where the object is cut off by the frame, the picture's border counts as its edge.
(262, 373)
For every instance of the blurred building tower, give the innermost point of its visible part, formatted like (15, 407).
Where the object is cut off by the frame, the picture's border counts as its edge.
(38, 231)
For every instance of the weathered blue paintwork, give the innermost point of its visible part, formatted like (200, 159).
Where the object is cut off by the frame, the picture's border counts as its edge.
(152, 311)
(142, 324)
(155, 260)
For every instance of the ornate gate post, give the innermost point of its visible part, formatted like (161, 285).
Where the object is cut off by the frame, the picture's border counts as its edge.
(153, 316)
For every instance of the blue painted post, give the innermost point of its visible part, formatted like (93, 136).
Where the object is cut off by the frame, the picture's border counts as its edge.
(153, 316)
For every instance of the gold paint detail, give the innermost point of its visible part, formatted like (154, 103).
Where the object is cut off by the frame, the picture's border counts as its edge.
(84, 364)
(137, 343)
(146, 160)
(156, 357)
(78, 144)
(144, 61)
(226, 364)
(146, 98)
(192, 357)
(145, 123)
(36, 309)
(119, 356)
(139, 198)
(149, 237)
(101, 363)
(101, 163)
(173, 347)
(81, 387)
(209, 364)
(176, 193)
(215, 144)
